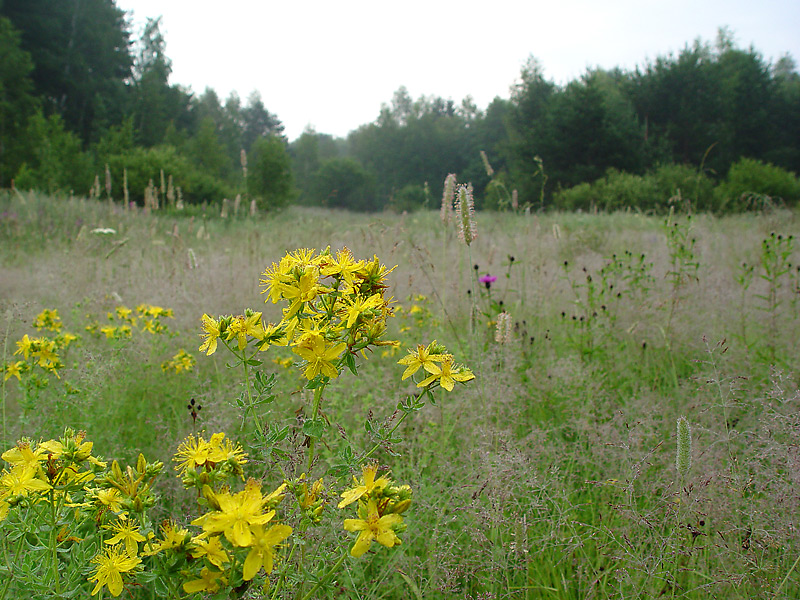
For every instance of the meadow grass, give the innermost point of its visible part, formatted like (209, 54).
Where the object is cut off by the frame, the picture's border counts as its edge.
(552, 475)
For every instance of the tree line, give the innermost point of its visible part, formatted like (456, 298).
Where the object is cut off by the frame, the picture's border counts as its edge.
(79, 98)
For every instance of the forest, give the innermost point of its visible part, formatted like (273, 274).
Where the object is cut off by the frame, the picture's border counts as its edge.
(86, 108)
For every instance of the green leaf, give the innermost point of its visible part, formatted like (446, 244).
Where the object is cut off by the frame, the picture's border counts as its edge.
(318, 381)
(350, 361)
(411, 585)
(314, 428)
(338, 471)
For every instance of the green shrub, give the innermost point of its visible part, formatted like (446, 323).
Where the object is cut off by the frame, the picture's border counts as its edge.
(621, 190)
(145, 164)
(683, 181)
(751, 183)
(270, 178)
(581, 196)
(409, 198)
(344, 183)
(55, 161)
(618, 190)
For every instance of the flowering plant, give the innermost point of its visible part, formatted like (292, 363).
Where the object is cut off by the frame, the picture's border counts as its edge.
(77, 524)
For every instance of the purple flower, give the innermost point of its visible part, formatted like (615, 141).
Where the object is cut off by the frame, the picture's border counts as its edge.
(487, 280)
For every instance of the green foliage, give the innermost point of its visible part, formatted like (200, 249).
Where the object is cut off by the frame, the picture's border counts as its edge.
(307, 152)
(409, 198)
(144, 165)
(752, 184)
(16, 99)
(55, 161)
(679, 185)
(81, 55)
(418, 141)
(685, 185)
(270, 176)
(344, 183)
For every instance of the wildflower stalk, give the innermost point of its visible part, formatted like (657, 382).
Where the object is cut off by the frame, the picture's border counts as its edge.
(787, 577)
(467, 232)
(243, 358)
(3, 393)
(314, 412)
(331, 572)
(683, 454)
(4, 591)
(54, 540)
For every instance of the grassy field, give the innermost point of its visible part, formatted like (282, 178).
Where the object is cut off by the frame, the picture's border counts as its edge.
(551, 475)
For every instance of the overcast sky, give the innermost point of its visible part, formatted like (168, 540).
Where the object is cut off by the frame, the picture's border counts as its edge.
(330, 65)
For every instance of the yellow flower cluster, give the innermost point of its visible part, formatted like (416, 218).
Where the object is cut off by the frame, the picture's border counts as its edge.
(122, 320)
(48, 319)
(179, 363)
(202, 462)
(438, 365)
(42, 352)
(57, 466)
(234, 521)
(336, 307)
(243, 520)
(380, 505)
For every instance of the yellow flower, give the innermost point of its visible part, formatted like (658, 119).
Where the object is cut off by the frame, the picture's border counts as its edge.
(424, 356)
(24, 346)
(446, 375)
(303, 290)
(109, 331)
(127, 532)
(110, 567)
(241, 327)
(124, 313)
(373, 526)
(110, 497)
(237, 514)
(207, 582)
(344, 266)
(21, 480)
(65, 339)
(261, 554)
(193, 453)
(368, 486)
(273, 277)
(13, 370)
(46, 353)
(211, 333)
(309, 497)
(72, 448)
(320, 357)
(172, 536)
(212, 549)
(23, 454)
(359, 306)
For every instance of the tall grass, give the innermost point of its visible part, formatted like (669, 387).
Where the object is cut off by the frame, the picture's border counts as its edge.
(554, 475)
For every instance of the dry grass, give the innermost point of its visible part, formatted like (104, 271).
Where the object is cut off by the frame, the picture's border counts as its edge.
(553, 476)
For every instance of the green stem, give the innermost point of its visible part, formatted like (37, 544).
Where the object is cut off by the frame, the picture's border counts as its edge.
(54, 540)
(3, 395)
(786, 578)
(279, 585)
(8, 564)
(399, 422)
(327, 575)
(314, 412)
